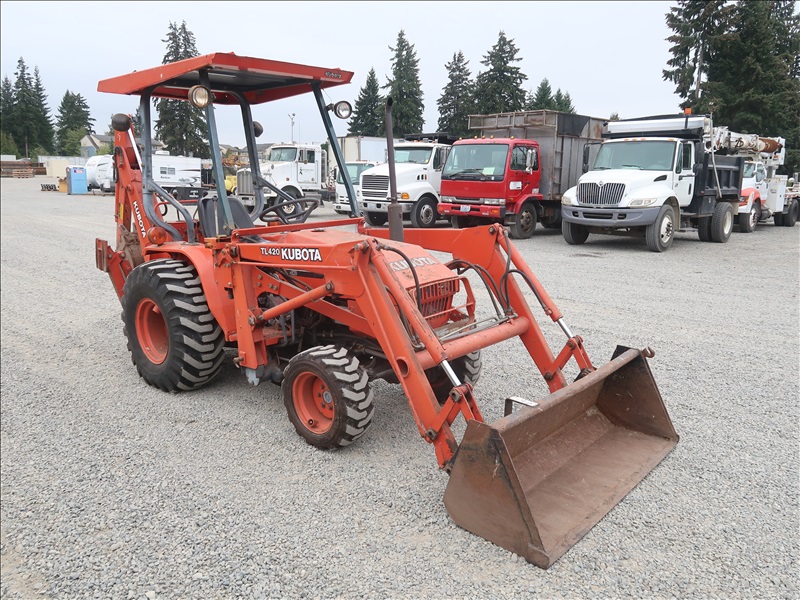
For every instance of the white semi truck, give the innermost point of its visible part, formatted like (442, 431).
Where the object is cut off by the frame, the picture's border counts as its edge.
(173, 173)
(653, 177)
(418, 170)
(298, 170)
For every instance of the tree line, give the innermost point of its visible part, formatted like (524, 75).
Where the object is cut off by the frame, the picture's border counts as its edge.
(740, 62)
(737, 60)
(498, 88)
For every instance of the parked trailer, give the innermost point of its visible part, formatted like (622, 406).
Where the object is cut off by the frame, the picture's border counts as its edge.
(518, 170)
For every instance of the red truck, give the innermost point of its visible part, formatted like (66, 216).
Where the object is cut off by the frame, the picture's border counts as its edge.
(517, 170)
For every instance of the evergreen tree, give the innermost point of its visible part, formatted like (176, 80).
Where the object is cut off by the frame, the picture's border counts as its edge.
(24, 125)
(73, 115)
(614, 116)
(405, 89)
(752, 87)
(7, 145)
(367, 116)
(44, 135)
(499, 88)
(457, 101)
(542, 99)
(563, 102)
(6, 109)
(695, 23)
(179, 123)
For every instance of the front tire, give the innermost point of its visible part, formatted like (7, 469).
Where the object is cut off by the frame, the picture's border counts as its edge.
(722, 222)
(424, 213)
(289, 211)
(524, 222)
(376, 219)
(328, 396)
(174, 340)
(661, 234)
(747, 223)
(574, 233)
(467, 368)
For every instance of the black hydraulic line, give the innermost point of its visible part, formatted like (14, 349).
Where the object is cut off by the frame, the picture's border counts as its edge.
(413, 272)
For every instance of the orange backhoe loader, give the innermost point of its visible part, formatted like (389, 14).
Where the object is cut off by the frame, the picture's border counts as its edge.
(325, 308)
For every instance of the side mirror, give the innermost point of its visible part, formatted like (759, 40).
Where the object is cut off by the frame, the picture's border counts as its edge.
(697, 168)
(530, 159)
(585, 157)
(257, 129)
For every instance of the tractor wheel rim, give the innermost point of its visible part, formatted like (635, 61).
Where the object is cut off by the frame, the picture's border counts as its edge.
(313, 403)
(152, 331)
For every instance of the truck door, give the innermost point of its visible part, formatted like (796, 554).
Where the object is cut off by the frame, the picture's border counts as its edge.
(761, 182)
(437, 164)
(684, 175)
(520, 181)
(307, 168)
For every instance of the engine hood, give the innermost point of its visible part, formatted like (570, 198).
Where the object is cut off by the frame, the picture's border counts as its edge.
(402, 169)
(633, 178)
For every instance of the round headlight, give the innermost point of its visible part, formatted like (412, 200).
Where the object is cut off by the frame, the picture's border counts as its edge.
(343, 109)
(200, 96)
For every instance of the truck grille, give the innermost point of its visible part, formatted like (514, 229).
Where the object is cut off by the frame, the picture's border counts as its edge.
(244, 183)
(375, 187)
(608, 194)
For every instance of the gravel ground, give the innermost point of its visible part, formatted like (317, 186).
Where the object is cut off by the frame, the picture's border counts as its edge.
(113, 489)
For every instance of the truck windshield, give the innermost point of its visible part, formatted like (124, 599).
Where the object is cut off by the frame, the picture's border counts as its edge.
(282, 154)
(642, 155)
(476, 161)
(354, 171)
(409, 154)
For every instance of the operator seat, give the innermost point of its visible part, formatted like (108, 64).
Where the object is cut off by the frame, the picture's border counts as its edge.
(210, 215)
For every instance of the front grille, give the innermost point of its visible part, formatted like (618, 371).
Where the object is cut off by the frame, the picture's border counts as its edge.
(608, 194)
(375, 187)
(244, 183)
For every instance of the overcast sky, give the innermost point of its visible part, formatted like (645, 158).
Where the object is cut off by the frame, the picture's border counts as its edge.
(609, 56)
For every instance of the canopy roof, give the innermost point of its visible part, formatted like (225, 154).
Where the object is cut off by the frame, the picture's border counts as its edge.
(258, 79)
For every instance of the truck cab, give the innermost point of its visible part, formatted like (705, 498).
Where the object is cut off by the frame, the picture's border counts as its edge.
(418, 172)
(495, 180)
(354, 169)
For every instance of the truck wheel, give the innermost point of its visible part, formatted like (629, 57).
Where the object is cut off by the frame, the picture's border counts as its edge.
(425, 213)
(524, 222)
(467, 368)
(574, 233)
(790, 218)
(722, 222)
(375, 219)
(290, 210)
(704, 229)
(551, 222)
(747, 222)
(174, 340)
(660, 235)
(328, 396)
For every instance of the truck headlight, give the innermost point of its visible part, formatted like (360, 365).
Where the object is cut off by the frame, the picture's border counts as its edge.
(449, 199)
(643, 201)
(493, 200)
(569, 199)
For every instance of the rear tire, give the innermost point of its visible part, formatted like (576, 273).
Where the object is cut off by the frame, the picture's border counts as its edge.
(328, 396)
(524, 222)
(574, 233)
(174, 340)
(704, 229)
(288, 211)
(425, 213)
(790, 218)
(722, 222)
(661, 234)
(467, 368)
(375, 219)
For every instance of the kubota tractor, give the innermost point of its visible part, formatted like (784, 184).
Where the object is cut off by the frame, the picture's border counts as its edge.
(324, 309)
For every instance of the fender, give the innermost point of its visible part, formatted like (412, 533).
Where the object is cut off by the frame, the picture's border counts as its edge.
(750, 195)
(534, 197)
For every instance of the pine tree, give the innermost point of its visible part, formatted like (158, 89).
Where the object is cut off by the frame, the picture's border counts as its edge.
(6, 109)
(179, 123)
(751, 85)
(7, 145)
(44, 135)
(73, 115)
(457, 101)
(499, 88)
(542, 99)
(563, 102)
(405, 89)
(695, 23)
(367, 116)
(24, 123)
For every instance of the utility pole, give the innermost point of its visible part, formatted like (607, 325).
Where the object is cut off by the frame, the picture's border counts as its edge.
(291, 117)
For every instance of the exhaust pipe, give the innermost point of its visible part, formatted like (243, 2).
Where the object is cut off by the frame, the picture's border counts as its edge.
(395, 211)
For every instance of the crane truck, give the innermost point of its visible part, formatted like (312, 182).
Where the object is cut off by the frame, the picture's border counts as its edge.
(517, 171)
(652, 177)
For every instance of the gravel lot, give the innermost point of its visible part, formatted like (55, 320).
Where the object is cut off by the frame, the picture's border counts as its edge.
(113, 489)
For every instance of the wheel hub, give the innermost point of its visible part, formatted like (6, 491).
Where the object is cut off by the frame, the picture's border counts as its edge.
(313, 402)
(151, 331)
(666, 230)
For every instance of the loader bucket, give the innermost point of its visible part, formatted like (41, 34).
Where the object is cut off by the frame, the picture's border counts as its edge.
(536, 481)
